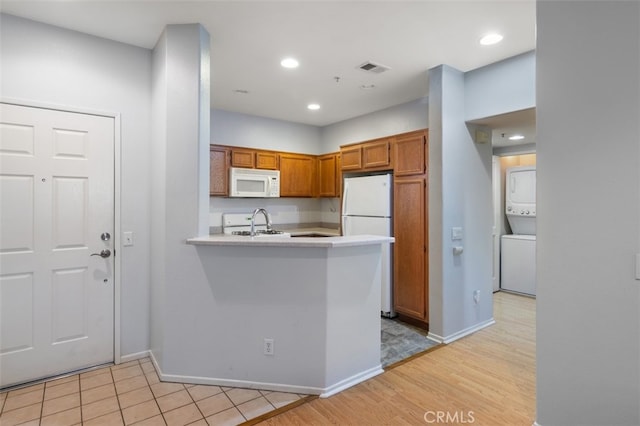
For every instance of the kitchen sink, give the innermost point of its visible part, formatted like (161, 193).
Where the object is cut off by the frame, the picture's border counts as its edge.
(263, 233)
(312, 235)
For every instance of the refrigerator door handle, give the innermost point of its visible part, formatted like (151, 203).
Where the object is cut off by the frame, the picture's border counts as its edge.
(345, 198)
(344, 225)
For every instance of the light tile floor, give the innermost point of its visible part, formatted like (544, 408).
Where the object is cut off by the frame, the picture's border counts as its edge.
(131, 393)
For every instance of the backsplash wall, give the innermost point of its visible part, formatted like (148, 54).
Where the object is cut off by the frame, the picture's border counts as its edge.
(283, 211)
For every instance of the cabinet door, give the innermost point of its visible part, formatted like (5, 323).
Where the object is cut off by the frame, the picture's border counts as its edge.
(266, 160)
(328, 173)
(351, 157)
(410, 157)
(297, 175)
(218, 170)
(410, 248)
(243, 158)
(376, 154)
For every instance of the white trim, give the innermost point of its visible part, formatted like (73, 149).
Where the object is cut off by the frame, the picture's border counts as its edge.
(435, 337)
(351, 381)
(135, 356)
(117, 145)
(117, 241)
(279, 387)
(455, 336)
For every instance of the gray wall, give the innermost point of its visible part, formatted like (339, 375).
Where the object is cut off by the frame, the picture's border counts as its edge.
(460, 195)
(57, 67)
(588, 109)
(180, 127)
(236, 129)
(502, 87)
(389, 121)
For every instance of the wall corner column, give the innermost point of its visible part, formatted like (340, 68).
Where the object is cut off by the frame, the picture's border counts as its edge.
(180, 169)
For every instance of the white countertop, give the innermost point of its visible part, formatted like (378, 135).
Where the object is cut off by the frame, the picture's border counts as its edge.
(277, 241)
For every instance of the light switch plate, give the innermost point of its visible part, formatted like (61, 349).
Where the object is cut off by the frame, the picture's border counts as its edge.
(127, 238)
(456, 233)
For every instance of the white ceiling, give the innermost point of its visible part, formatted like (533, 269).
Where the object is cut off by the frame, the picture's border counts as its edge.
(329, 38)
(503, 126)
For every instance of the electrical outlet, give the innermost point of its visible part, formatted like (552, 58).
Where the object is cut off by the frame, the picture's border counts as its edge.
(268, 347)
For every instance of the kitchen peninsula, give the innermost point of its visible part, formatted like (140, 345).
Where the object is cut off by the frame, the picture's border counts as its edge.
(314, 303)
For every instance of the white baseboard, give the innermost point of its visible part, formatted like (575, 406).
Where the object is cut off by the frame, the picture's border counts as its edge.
(460, 334)
(436, 338)
(132, 357)
(351, 381)
(279, 387)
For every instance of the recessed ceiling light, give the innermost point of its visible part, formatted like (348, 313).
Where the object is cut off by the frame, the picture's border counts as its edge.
(490, 39)
(289, 63)
(313, 107)
(516, 138)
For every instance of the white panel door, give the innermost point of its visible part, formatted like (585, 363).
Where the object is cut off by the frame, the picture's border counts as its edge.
(56, 201)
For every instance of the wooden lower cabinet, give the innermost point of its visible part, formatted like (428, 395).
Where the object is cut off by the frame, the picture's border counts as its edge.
(410, 272)
(297, 175)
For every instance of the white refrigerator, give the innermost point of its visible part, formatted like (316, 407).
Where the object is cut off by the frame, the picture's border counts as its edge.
(366, 209)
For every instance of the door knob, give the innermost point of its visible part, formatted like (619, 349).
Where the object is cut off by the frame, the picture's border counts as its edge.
(103, 254)
(105, 236)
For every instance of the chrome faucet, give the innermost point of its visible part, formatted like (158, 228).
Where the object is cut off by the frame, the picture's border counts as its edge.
(253, 220)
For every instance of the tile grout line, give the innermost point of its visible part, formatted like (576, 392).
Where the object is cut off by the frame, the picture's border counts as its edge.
(153, 394)
(79, 398)
(117, 395)
(196, 404)
(41, 404)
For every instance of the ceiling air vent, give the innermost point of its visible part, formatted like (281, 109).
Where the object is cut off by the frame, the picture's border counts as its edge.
(373, 67)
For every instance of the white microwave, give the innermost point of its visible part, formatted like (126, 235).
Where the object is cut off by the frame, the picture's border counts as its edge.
(254, 183)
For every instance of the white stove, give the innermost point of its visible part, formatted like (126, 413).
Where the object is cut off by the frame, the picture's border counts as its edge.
(240, 224)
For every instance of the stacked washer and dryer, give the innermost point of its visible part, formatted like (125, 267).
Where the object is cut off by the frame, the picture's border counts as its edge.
(518, 250)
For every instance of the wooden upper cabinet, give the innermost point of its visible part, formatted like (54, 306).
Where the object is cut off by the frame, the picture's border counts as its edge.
(329, 175)
(218, 170)
(376, 154)
(351, 157)
(410, 154)
(297, 175)
(243, 158)
(267, 160)
(373, 155)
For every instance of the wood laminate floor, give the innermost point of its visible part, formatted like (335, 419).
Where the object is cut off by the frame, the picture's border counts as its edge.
(487, 378)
